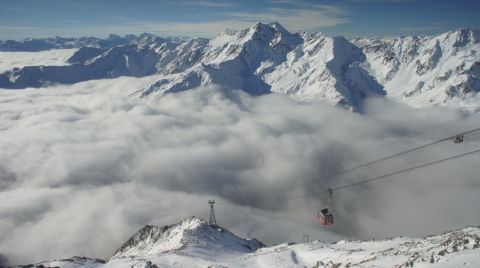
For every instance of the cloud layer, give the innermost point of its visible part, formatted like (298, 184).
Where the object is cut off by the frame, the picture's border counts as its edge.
(84, 166)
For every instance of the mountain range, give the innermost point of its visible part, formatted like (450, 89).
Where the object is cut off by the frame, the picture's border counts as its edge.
(442, 70)
(42, 44)
(194, 243)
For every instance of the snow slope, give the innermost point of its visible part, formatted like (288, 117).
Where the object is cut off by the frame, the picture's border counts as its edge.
(422, 71)
(324, 68)
(193, 243)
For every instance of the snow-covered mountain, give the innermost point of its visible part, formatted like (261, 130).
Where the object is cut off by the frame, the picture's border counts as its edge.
(191, 235)
(266, 58)
(422, 71)
(324, 68)
(42, 44)
(193, 243)
(128, 60)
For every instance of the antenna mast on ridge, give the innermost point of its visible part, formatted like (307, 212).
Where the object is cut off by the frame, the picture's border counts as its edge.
(213, 221)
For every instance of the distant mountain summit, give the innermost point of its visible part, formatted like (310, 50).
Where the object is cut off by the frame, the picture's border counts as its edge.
(421, 71)
(113, 40)
(267, 58)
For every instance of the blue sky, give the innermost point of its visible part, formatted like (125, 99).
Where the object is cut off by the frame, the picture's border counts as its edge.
(206, 18)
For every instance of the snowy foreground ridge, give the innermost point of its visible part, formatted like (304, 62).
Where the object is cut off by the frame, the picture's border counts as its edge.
(265, 58)
(193, 243)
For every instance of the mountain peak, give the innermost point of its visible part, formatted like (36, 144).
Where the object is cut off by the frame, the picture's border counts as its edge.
(260, 31)
(259, 25)
(277, 26)
(114, 37)
(190, 233)
(274, 25)
(270, 28)
(463, 36)
(145, 35)
(274, 35)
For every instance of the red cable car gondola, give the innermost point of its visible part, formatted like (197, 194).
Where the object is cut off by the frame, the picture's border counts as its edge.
(325, 215)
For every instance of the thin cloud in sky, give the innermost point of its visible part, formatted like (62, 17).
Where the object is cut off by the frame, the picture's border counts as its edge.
(381, 1)
(293, 19)
(206, 18)
(210, 4)
(297, 19)
(422, 28)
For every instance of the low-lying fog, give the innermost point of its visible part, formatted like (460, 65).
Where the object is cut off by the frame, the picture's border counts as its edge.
(83, 167)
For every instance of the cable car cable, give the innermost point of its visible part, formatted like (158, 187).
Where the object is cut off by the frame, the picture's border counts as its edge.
(443, 124)
(437, 142)
(407, 170)
(393, 173)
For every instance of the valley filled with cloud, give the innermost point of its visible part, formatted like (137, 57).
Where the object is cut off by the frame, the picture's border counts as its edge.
(83, 166)
(328, 133)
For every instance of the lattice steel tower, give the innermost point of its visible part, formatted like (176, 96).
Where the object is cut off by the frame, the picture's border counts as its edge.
(213, 221)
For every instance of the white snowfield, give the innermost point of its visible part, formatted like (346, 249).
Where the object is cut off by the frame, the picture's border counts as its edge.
(54, 57)
(193, 243)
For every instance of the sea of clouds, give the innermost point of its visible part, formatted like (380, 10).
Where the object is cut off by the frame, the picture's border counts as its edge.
(82, 167)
